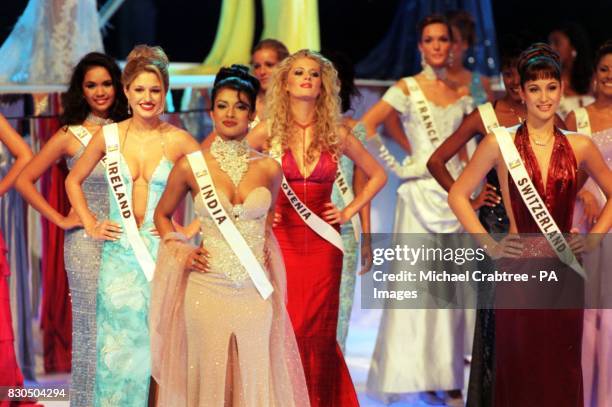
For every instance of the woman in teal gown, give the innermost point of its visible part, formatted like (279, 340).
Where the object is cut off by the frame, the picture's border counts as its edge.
(148, 149)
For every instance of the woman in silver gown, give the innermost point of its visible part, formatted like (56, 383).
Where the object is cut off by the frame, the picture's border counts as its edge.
(94, 98)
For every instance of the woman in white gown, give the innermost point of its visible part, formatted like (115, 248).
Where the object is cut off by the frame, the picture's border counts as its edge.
(421, 350)
(49, 39)
(596, 121)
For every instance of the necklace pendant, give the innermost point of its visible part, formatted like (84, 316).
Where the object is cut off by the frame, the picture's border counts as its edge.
(540, 143)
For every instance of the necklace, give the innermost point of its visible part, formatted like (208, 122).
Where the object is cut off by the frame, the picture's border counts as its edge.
(304, 126)
(232, 157)
(433, 74)
(541, 143)
(100, 121)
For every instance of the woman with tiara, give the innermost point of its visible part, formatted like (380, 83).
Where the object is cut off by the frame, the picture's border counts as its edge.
(10, 373)
(235, 342)
(434, 338)
(94, 98)
(140, 153)
(538, 357)
(595, 121)
(303, 131)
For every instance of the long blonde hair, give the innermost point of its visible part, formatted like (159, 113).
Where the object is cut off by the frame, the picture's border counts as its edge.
(327, 108)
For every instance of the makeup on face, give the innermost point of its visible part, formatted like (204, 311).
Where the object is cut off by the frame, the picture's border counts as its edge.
(98, 90)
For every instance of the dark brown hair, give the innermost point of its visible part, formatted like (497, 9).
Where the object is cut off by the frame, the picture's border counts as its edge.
(269, 43)
(539, 61)
(433, 19)
(464, 22)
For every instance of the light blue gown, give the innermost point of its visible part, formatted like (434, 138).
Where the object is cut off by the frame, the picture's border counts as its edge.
(349, 262)
(122, 314)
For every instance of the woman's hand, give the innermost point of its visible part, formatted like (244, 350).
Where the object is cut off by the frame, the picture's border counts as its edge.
(105, 230)
(70, 221)
(334, 215)
(366, 254)
(509, 246)
(487, 197)
(198, 260)
(591, 209)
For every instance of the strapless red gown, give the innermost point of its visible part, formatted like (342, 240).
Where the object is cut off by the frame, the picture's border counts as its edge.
(538, 352)
(314, 267)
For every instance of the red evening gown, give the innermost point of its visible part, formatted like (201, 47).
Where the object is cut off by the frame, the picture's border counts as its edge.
(10, 374)
(538, 351)
(314, 268)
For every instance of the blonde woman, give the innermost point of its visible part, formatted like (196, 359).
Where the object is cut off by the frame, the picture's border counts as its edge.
(140, 152)
(303, 131)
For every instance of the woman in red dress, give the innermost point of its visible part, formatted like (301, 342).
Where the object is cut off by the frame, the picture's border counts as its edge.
(538, 351)
(303, 130)
(10, 374)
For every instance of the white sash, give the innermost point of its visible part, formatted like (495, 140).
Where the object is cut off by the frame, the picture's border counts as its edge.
(320, 227)
(84, 137)
(233, 237)
(424, 111)
(546, 223)
(346, 191)
(81, 134)
(488, 116)
(117, 185)
(583, 124)
(426, 117)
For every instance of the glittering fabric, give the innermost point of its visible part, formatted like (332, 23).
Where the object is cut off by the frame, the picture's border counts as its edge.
(314, 267)
(349, 262)
(538, 351)
(82, 261)
(123, 349)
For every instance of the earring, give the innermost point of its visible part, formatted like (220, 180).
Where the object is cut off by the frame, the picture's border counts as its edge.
(423, 63)
(129, 110)
(451, 58)
(574, 53)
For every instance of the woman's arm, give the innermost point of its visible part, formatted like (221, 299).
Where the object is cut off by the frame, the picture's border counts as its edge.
(53, 150)
(374, 172)
(95, 228)
(18, 148)
(176, 189)
(470, 127)
(383, 109)
(258, 137)
(596, 167)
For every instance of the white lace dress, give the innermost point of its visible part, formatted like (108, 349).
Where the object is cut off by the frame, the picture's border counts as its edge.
(48, 40)
(421, 349)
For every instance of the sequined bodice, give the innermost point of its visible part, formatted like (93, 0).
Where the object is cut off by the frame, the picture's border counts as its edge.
(249, 218)
(559, 194)
(603, 140)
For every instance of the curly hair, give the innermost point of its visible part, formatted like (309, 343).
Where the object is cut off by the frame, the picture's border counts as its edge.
(74, 107)
(539, 61)
(327, 108)
(602, 51)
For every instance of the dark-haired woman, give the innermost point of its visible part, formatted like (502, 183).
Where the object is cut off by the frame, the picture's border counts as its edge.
(140, 153)
(464, 37)
(571, 43)
(238, 347)
(596, 121)
(538, 351)
(94, 98)
(421, 350)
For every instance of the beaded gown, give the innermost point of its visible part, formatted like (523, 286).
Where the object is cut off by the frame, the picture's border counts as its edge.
(597, 336)
(314, 268)
(123, 366)
(538, 351)
(82, 261)
(421, 349)
(351, 245)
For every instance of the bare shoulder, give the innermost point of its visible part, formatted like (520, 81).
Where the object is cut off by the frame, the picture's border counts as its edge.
(181, 138)
(267, 163)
